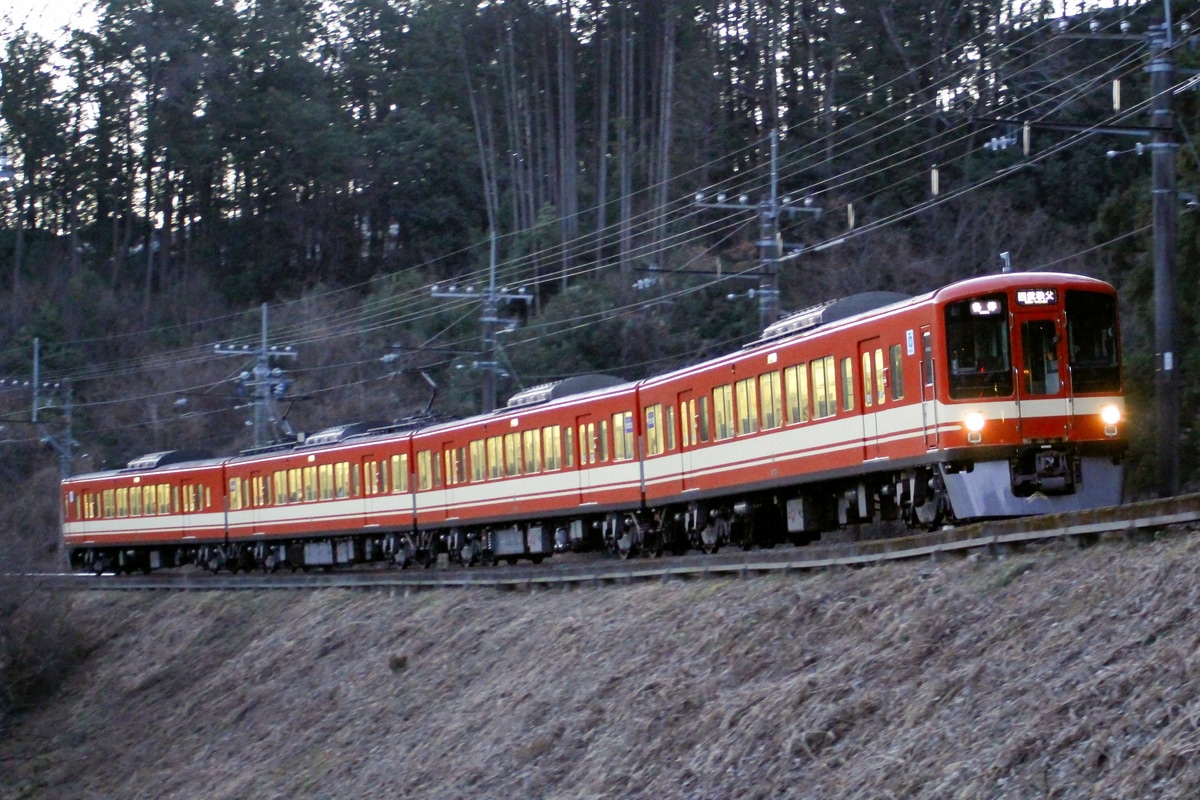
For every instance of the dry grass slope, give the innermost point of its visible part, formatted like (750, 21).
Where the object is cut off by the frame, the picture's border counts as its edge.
(1053, 673)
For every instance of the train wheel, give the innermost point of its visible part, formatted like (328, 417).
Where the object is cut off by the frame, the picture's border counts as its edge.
(626, 545)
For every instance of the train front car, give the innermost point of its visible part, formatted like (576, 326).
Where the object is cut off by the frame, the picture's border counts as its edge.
(1025, 411)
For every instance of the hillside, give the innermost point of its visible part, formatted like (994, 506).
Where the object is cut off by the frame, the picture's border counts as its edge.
(1049, 673)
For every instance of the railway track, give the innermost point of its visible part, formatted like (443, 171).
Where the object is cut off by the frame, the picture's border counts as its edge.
(1133, 520)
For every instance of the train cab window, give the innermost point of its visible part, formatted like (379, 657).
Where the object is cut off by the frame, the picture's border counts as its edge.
(532, 448)
(895, 372)
(478, 460)
(1092, 342)
(722, 412)
(552, 446)
(847, 384)
(400, 473)
(747, 406)
(623, 438)
(655, 443)
(824, 384)
(980, 362)
(512, 454)
(795, 387)
(770, 392)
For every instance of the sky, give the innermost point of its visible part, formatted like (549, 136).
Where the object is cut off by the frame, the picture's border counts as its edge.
(47, 17)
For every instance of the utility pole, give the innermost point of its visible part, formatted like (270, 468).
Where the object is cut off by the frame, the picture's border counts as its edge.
(770, 247)
(60, 399)
(488, 320)
(264, 379)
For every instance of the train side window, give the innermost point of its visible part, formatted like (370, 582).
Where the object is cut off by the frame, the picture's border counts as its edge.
(587, 444)
(512, 454)
(896, 372)
(325, 482)
(424, 470)
(552, 446)
(722, 412)
(532, 441)
(149, 500)
(927, 357)
(704, 419)
(569, 446)
(343, 480)
(164, 499)
(654, 437)
(107, 504)
(746, 392)
(371, 482)
(824, 383)
(235, 494)
(623, 447)
(772, 400)
(670, 427)
(847, 384)
(602, 439)
(868, 378)
(400, 473)
(495, 457)
(135, 501)
(478, 460)
(123, 502)
(173, 500)
(881, 377)
(795, 387)
(310, 484)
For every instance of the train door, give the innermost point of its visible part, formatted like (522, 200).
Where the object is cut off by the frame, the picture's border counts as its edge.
(585, 429)
(257, 500)
(1042, 389)
(870, 359)
(928, 397)
(689, 431)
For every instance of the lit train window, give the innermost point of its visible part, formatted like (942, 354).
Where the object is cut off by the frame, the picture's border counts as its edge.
(123, 502)
(747, 406)
(235, 494)
(896, 372)
(569, 445)
(532, 447)
(772, 400)
(400, 473)
(824, 384)
(722, 412)
(847, 384)
(424, 470)
(512, 454)
(623, 439)
(343, 480)
(703, 417)
(654, 437)
(587, 444)
(164, 499)
(602, 439)
(880, 377)
(108, 504)
(259, 490)
(135, 501)
(868, 376)
(977, 345)
(89, 505)
(670, 425)
(282, 495)
(478, 460)
(495, 457)
(552, 443)
(325, 481)
(150, 499)
(795, 386)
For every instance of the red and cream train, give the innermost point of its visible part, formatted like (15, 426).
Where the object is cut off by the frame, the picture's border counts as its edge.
(992, 397)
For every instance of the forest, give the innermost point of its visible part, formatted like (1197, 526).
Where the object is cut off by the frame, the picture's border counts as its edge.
(191, 178)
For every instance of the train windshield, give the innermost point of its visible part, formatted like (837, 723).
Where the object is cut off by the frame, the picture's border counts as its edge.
(980, 361)
(1092, 341)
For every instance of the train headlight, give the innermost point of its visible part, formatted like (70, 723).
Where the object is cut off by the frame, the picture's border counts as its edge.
(1110, 416)
(974, 423)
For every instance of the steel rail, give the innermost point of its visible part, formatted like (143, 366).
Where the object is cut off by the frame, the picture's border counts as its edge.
(1081, 526)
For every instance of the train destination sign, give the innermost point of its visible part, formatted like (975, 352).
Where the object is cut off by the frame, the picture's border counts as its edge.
(1037, 297)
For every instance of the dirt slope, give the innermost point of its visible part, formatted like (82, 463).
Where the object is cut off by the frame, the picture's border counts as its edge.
(1051, 673)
